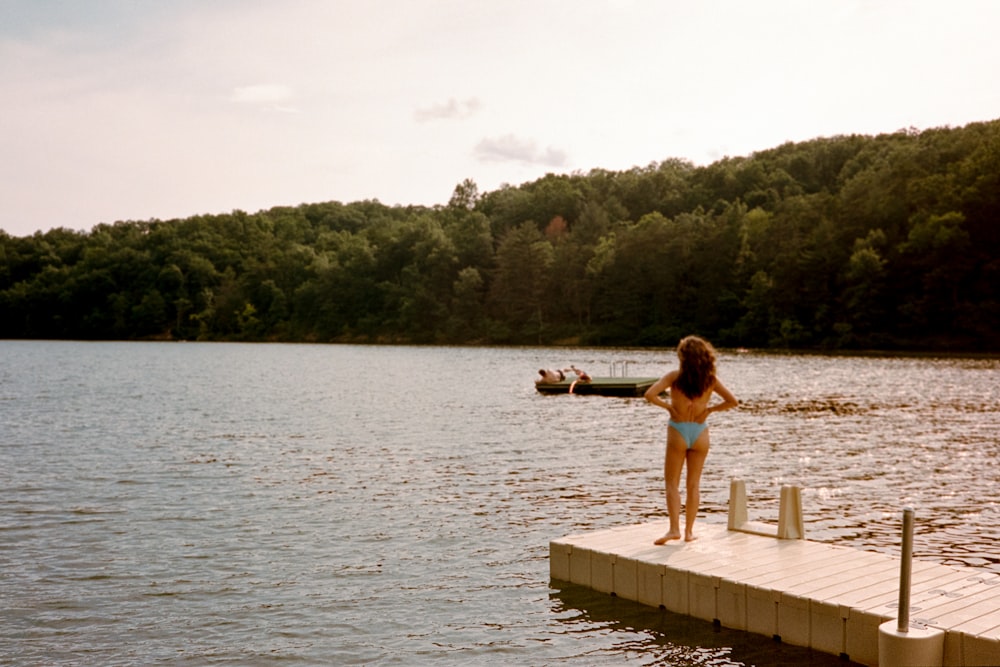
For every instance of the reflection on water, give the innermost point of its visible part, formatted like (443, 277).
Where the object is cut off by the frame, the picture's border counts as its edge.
(377, 505)
(648, 636)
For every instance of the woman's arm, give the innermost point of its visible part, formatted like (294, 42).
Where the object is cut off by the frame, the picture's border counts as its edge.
(663, 384)
(728, 400)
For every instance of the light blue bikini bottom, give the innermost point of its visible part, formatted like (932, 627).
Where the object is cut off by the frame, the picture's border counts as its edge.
(688, 430)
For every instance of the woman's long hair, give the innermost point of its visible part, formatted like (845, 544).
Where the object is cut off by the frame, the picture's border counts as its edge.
(697, 357)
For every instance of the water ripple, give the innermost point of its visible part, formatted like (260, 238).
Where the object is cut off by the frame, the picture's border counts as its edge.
(351, 505)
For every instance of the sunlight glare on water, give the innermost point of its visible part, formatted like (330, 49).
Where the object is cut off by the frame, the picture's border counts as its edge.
(198, 503)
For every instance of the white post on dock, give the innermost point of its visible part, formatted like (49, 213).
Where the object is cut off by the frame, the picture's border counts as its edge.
(790, 525)
(737, 504)
(905, 569)
(904, 645)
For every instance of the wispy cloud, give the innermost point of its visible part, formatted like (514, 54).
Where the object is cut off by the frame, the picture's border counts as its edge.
(510, 148)
(87, 80)
(451, 109)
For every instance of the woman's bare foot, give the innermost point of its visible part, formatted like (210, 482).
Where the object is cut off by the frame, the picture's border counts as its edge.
(690, 537)
(666, 538)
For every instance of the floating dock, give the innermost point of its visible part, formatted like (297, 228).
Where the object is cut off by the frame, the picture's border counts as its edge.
(768, 580)
(601, 386)
(828, 597)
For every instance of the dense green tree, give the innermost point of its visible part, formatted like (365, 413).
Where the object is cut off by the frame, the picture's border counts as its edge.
(467, 317)
(524, 263)
(848, 241)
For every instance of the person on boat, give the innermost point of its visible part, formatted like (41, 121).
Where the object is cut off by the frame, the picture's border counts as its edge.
(690, 388)
(581, 376)
(549, 376)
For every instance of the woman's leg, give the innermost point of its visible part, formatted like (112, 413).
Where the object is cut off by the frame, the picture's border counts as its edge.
(695, 462)
(673, 463)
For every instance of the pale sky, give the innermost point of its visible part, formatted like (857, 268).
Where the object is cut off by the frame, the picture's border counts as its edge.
(139, 109)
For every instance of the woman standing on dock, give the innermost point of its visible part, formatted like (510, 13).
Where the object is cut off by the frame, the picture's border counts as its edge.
(691, 387)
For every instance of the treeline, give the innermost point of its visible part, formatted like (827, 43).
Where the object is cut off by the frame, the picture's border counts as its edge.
(886, 242)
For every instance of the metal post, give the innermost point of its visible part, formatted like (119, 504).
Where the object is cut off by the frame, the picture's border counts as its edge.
(905, 566)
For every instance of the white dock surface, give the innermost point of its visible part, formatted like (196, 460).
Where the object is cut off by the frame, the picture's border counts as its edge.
(828, 597)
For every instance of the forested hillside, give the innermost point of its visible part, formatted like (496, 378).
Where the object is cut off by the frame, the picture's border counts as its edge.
(888, 242)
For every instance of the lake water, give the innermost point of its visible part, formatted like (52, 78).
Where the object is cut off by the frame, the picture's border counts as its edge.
(190, 504)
